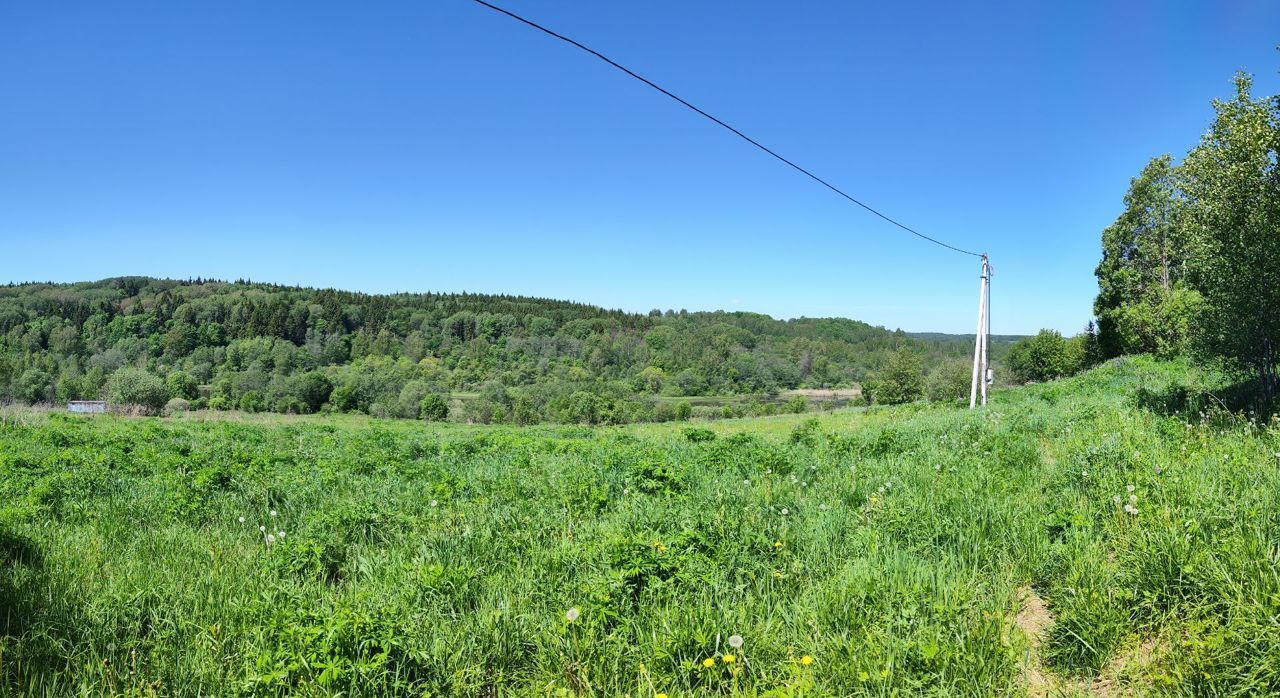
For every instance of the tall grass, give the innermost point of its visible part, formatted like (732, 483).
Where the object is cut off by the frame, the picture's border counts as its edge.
(873, 552)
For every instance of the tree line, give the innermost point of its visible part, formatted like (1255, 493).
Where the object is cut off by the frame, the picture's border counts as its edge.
(1191, 267)
(197, 343)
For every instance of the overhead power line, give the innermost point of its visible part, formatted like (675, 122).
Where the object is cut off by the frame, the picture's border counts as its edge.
(733, 130)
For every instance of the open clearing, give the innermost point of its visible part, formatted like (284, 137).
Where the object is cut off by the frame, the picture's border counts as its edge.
(922, 550)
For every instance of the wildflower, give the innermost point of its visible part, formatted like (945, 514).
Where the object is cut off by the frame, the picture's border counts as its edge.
(735, 641)
(823, 507)
(572, 614)
(241, 519)
(746, 482)
(626, 490)
(806, 660)
(280, 535)
(1084, 473)
(270, 540)
(263, 529)
(1131, 510)
(777, 544)
(274, 514)
(1117, 500)
(434, 502)
(1130, 488)
(1159, 470)
(709, 662)
(729, 659)
(660, 695)
(785, 511)
(1133, 499)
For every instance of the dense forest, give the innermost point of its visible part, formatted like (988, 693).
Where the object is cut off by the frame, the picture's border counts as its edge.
(481, 358)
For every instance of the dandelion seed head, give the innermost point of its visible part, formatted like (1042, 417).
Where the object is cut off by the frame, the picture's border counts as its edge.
(735, 641)
(572, 614)
(274, 513)
(785, 511)
(241, 519)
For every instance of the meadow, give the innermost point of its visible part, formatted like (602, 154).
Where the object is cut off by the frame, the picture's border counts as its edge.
(1112, 534)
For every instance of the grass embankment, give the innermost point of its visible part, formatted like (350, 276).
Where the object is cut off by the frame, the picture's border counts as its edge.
(880, 551)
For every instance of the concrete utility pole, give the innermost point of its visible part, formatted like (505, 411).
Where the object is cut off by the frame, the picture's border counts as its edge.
(981, 359)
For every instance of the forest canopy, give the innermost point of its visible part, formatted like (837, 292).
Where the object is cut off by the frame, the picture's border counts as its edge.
(256, 346)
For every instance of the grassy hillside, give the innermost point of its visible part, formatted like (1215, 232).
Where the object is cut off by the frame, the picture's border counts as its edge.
(263, 347)
(922, 550)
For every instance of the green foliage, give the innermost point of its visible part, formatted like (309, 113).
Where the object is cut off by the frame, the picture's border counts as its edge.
(950, 380)
(1190, 263)
(1232, 179)
(683, 410)
(1045, 356)
(308, 350)
(251, 402)
(136, 387)
(1143, 304)
(433, 408)
(180, 384)
(901, 380)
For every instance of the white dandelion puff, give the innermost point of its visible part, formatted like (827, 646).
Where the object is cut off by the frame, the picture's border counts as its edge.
(274, 514)
(735, 641)
(241, 519)
(571, 615)
(785, 511)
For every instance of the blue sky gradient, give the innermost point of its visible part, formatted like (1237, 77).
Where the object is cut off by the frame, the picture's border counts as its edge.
(412, 146)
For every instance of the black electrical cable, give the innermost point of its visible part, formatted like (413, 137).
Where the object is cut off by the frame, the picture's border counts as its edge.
(735, 131)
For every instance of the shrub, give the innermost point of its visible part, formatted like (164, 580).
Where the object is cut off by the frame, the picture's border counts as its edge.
(136, 387)
(180, 384)
(950, 380)
(683, 410)
(433, 408)
(901, 380)
(177, 404)
(1045, 356)
(251, 401)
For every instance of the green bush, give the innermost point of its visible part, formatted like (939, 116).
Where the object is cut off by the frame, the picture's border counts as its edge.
(138, 388)
(433, 408)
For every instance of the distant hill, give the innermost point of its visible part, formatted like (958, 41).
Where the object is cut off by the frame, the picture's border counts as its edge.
(998, 341)
(259, 346)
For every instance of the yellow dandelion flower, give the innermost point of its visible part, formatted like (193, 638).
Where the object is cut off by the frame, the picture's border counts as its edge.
(660, 695)
(777, 544)
(729, 659)
(806, 660)
(709, 662)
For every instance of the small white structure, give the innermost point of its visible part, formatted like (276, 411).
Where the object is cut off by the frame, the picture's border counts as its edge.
(87, 406)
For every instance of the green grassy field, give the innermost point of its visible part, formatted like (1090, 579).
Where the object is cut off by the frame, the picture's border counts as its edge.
(922, 550)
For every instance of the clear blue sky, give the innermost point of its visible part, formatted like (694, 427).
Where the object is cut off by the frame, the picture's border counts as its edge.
(408, 146)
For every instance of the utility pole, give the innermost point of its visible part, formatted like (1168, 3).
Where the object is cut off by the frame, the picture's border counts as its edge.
(981, 357)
